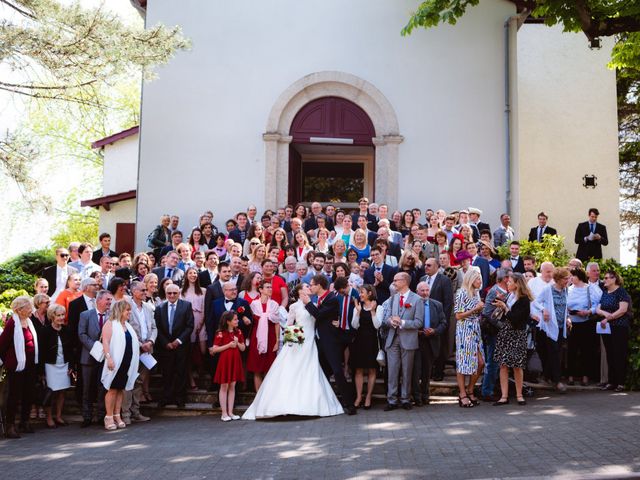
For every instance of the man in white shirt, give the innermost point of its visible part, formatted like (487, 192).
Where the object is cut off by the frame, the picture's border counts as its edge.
(57, 274)
(210, 272)
(537, 284)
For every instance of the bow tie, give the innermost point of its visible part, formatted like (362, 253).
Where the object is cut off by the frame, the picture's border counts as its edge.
(514, 258)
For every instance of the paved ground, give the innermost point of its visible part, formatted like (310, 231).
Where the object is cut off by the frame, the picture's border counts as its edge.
(579, 435)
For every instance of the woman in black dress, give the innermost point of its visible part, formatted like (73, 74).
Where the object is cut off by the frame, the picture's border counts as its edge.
(364, 349)
(511, 342)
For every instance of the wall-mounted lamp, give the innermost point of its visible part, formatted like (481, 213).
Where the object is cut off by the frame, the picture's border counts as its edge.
(589, 181)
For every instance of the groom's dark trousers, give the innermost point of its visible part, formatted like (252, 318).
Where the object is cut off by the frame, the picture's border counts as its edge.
(331, 342)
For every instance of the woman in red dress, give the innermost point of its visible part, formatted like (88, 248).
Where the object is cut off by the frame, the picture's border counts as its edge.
(229, 342)
(264, 337)
(250, 287)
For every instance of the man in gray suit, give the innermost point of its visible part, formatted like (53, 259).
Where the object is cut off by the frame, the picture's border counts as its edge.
(89, 332)
(404, 316)
(435, 324)
(170, 269)
(144, 324)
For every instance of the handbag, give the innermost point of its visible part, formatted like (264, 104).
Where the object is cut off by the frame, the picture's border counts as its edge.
(534, 364)
(381, 358)
(97, 351)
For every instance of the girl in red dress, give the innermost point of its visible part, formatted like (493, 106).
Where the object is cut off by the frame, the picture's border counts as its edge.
(229, 342)
(264, 337)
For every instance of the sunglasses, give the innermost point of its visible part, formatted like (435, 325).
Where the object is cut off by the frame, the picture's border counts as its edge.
(172, 293)
(64, 255)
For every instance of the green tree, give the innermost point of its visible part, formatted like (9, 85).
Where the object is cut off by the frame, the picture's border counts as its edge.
(64, 57)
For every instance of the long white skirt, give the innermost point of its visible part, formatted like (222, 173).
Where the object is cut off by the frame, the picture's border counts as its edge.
(295, 385)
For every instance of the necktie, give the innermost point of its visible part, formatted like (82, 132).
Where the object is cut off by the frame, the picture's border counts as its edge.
(172, 312)
(101, 320)
(539, 234)
(593, 228)
(427, 315)
(344, 325)
(169, 272)
(401, 301)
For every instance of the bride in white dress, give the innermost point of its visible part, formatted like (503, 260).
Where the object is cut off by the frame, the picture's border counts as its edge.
(295, 383)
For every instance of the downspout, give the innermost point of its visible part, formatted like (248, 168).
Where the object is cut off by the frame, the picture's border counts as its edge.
(511, 26)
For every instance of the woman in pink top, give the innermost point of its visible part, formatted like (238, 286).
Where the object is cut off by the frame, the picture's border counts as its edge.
(193, 293)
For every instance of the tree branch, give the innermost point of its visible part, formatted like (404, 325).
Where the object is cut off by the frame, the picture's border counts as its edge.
(18, 9)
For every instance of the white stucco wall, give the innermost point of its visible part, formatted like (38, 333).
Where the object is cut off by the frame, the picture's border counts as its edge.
(208, 109)
(120, 212)
(121, 166)
(567, 128)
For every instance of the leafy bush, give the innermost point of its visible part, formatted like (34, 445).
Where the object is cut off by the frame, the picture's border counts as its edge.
(6, 298)
(32, 262)
(15, 278)
(551, 249)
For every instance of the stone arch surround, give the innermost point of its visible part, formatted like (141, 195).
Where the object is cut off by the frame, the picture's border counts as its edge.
(334, 84)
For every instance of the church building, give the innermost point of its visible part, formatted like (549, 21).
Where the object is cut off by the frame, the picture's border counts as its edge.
(287, 101)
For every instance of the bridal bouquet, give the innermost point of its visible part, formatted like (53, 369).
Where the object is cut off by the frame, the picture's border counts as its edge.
(293, 334)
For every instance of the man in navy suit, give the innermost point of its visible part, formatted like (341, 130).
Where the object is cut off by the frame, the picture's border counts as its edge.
(590, 237)
(536, 233)
(380, 275)
(481, 263)
(174, 319)
(331, 337)
(214, 291)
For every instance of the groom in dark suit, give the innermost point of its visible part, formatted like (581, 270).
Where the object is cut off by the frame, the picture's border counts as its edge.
(174, 319)
(330, 337)
(590, 237)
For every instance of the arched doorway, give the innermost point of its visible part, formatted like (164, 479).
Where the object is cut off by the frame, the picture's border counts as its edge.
(331, 155)
(343, 85)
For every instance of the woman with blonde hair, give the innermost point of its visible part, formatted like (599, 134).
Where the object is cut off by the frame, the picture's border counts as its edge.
(360, 245)
(511, 341)
(256, 258)
(19, 353)
(469, 359)
(56, 345)
(322, 243)
(302, 246)
(120, 369)
(410, 263)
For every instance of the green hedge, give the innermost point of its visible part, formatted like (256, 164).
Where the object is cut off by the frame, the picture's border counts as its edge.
(18, 275)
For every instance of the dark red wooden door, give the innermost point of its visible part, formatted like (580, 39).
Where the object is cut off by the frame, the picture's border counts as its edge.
(125, 238)
(332, 117)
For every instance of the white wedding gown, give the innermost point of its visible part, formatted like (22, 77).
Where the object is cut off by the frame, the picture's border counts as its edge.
(295, 383)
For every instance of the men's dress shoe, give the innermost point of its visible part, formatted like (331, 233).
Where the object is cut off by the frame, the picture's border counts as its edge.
(418, 403)
(180, 404)
(437, 378)
(351, 410)
(390, 406)
(425, 402)
(407, 406)
(126, 419)
(12, 433)
(162, 404)
(140, 418)
(85, 423)
(26, 428)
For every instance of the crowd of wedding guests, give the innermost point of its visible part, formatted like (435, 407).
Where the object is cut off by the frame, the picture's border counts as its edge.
(416, 293)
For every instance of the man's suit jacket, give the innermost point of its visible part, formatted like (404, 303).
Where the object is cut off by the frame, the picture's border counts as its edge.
(371, 220)
(310, 223)
(412, 313)
(382, 289)
(438, 322)
(533, 233)
(50, 273)
(177, 275)
(442, 291)
(152, 329)
(327, 312)
(217, 308)
(204, 278)
(519, 268)
(213, 292)
(394, 250)
(353, 293)
(483, 226)
(371, 237)
(182, 324)
(590, 248)
(97, 255)
(485, 271)
(76, 307)
(236, 235)
(89, 332)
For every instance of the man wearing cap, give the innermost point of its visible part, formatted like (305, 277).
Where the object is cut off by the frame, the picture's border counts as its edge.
(463, 219)
(474, 219)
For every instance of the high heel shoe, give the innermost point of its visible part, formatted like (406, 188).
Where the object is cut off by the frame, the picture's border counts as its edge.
(461, 404)
(473, 399)
(119, 421)
(501, 402)
(109, 423)
(521, 401)
(367, 407)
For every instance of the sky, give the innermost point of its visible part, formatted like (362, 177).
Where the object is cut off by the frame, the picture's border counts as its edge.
(23, 230)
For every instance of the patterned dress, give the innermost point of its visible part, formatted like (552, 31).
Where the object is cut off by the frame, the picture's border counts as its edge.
(468, 336)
